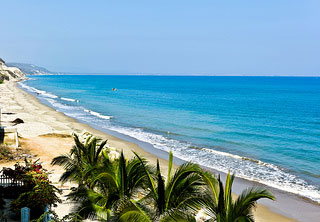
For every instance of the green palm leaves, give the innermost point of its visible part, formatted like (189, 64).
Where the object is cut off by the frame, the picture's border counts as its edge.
(112, 181)
(132, 190)
(173, 200)
(219, 205)
(79, 162)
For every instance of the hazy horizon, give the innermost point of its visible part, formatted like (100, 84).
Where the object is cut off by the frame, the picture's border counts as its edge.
(164, 38)
(179, 74)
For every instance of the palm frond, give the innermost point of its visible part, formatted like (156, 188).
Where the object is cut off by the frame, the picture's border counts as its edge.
(161, 204)
(149, 176)
(129, 210)
(228, 191)
(247, 201)
(179, 177)
(99, 150)
(169, 167)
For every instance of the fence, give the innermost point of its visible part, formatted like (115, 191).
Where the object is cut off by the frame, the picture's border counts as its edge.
(7, 181)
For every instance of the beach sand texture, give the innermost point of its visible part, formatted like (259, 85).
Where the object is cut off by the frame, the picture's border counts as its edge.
(41, 134)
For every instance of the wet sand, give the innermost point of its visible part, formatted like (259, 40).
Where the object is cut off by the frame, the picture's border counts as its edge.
(40, 120)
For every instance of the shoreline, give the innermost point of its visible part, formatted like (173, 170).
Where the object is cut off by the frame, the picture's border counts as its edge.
(286, 203)
(63, 123)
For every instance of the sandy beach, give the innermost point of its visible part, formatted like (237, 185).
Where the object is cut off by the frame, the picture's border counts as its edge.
(45, 134)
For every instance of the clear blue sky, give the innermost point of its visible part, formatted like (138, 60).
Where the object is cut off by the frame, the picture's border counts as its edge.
(274, 37)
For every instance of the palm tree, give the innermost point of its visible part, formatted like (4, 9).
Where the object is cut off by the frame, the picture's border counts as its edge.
(112, 182)
(132, 190)
(218, 203)
(174, 200)
(79, 162)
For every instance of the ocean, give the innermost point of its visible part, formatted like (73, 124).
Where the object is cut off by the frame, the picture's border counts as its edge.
(264, 129)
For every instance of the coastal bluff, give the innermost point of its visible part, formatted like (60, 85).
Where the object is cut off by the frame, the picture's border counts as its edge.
(10, 73)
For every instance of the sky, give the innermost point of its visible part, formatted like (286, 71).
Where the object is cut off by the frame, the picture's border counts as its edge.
(274, 37)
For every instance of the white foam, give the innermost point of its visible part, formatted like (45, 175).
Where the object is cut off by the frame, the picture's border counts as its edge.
(37, 91)
(70, 100)
(46, 94)
(246, 168)
(29, 88)
(97, 114)
(58, 105)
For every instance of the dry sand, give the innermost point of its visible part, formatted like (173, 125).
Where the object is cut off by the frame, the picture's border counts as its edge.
(40, 120)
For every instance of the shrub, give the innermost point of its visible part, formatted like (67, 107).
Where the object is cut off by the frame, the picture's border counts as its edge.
(5, 152)
(37, 189)
(15, 174)
(71, 217)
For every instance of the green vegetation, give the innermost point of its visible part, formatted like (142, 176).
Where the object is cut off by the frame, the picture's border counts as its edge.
(36, 191)
(1, 81)
(174, 200)
(5, 152)
(218, 203)
(72, 217)
(9, 153)
(81, 160)
(111, 187)
(133, 190)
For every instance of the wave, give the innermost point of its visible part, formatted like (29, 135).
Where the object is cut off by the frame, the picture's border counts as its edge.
(97, 114)
(59, 106)
(50, 99)
(70, 100)
(45, 94)
(246, 168)
(29, 88)
(37, 91)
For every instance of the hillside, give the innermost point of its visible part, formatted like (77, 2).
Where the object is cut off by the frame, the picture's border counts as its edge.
(30, 69)
(10, 73)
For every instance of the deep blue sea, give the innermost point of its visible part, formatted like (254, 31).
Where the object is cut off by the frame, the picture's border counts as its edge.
(265, 129)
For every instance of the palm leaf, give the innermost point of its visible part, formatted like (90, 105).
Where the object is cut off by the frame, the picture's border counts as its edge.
(161, 205)
(100, 149)
(169, 167)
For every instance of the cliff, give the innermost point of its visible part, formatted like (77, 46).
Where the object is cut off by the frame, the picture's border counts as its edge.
(10, 73)
(30, 69)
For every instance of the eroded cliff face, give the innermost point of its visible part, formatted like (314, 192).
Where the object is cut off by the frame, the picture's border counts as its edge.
(10, 73)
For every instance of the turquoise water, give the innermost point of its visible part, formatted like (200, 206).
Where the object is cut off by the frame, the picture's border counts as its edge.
(265, 129)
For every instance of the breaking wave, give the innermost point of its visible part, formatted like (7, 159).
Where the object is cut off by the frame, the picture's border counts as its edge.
(247, 168)
(243, 167)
